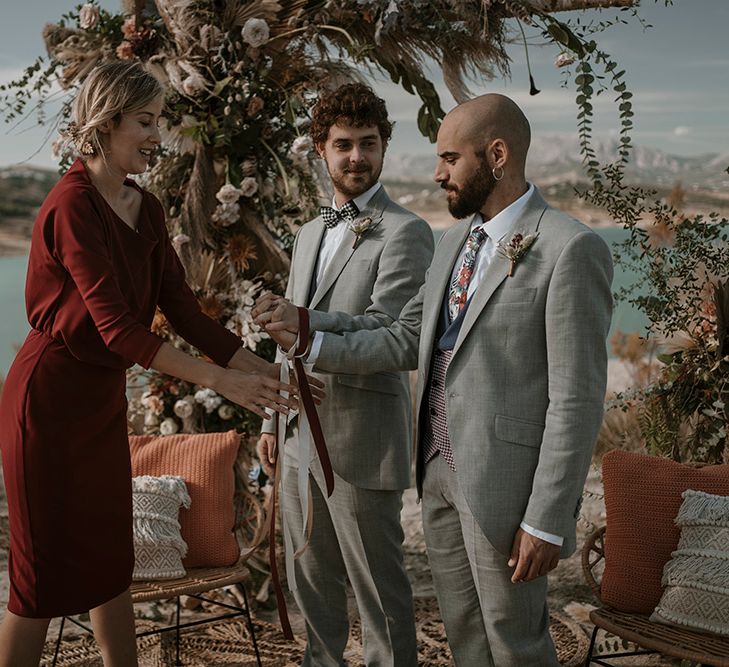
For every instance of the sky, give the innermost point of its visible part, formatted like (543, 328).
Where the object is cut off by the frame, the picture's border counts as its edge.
(678, 71)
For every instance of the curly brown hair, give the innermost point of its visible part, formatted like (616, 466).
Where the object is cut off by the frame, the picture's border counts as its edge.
(353, 103)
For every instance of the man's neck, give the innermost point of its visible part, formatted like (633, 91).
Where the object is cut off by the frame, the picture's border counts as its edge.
(503, 195)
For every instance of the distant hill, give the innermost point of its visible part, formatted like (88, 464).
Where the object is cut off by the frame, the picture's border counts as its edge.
(22, 190)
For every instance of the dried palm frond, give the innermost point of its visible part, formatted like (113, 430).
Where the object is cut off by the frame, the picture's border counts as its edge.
(572, 5)
(238, 13)
(208, 273)
(199, 201)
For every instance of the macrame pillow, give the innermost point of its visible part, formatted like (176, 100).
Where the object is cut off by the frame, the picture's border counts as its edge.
(696, 579)
(158, 545)
(206, 462)
(642, 498)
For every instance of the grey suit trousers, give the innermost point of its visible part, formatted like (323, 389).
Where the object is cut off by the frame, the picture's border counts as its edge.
(357, 536)
(489, 621)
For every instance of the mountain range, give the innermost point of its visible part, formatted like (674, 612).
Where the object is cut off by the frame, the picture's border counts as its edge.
(556, 159)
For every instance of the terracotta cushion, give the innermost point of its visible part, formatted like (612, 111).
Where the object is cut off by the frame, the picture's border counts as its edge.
(642, 499)
(206, 462)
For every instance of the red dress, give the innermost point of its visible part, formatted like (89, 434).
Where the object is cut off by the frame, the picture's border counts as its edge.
(92, 288)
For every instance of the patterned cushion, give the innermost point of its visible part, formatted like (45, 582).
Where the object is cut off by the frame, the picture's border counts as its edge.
(642, 498)
(158, 546)
(696, 579)
(205, 461)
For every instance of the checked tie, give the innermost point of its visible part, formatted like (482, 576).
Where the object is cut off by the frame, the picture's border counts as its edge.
(459, 287)
(332, 217)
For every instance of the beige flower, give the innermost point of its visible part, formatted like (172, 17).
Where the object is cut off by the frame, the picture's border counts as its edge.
(168, 427)
(563, 60)
(88, 16)
(255, 32)
(249, 166)
(226, 411)
(129, 27)
(248, 186)
(228, 194)
(125, 51)
(194, 84)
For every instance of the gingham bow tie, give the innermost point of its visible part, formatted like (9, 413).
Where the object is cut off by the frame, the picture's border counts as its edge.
(459, 287)
(332, 217)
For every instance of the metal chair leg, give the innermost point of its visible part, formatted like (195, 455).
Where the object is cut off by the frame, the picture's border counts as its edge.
(251, 629)
(178, 662)
(58, 641)
(588, 661)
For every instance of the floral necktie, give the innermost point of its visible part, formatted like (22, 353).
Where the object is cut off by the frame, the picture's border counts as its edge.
(332, 217)
(459, 287)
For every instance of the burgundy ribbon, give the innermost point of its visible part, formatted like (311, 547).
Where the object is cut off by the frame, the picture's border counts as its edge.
(307, 401)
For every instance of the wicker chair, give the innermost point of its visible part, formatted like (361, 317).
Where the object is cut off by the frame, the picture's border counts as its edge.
(249, 524)
(709, 650)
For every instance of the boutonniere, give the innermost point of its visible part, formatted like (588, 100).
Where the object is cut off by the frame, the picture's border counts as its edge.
(516, 249)
(360, 227)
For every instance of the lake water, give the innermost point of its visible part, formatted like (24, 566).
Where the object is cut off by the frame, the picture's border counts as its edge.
(14, 326)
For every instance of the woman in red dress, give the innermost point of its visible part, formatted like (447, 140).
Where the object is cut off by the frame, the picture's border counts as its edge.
(100, 263)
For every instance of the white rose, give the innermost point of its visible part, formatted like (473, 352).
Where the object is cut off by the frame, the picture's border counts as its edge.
(563, 60)
(202, 394)
(248, 186)
(194, 84)
(255, 32)
(168, 427)
(88, 16)
(226, 411)
(228, 194)
(301, 146)
(183, 408)
(211, 403)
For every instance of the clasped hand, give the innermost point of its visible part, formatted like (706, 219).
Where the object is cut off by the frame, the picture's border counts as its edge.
(279, 317)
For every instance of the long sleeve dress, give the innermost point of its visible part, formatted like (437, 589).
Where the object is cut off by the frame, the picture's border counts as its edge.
(92, 288)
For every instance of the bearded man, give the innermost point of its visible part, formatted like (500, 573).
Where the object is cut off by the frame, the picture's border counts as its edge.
(363, 258)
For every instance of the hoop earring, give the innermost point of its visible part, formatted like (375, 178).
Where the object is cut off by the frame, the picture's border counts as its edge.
(493, 173)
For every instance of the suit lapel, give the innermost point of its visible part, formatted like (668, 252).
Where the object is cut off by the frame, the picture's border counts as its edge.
(375, 209)
(497, 270)
(307, 254)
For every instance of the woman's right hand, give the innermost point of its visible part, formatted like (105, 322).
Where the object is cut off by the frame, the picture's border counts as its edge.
(256, 392)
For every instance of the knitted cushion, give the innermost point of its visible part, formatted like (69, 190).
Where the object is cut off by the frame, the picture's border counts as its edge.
(205, 461)
(158, 546)
(642, 498)
(696, 579)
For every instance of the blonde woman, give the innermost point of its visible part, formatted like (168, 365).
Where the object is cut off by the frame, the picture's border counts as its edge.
(100, 263)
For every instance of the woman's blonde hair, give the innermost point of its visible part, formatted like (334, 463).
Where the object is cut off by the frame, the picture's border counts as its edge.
(108, 92)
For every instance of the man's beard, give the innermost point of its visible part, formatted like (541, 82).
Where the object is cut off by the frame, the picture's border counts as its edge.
(359, 188)
(472, 195)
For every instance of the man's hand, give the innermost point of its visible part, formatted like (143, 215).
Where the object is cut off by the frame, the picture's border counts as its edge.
(279, 317)
(532, 557)
(265, 449)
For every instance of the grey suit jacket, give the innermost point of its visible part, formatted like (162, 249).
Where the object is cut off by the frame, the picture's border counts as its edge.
(526, 383)
(366, 418)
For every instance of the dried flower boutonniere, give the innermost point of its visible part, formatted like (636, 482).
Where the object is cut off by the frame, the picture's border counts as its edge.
(516, 249)
(359, 227)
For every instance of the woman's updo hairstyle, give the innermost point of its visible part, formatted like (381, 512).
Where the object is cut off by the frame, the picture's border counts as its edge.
(109, 91)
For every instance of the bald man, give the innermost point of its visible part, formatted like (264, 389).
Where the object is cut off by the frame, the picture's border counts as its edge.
(511, 324)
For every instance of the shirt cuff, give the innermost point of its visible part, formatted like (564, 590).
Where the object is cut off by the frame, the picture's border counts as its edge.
(547, 537)
(315, 348)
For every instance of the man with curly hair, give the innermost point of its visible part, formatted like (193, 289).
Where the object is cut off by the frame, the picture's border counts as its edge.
(363, 257)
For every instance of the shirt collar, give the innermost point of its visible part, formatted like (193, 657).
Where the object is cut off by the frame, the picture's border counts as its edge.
(504, 220)
(363, 199)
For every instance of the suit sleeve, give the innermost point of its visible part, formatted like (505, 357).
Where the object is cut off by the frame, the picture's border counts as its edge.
(578, 312)
(82, 249)
(400, 273)
(181, 307)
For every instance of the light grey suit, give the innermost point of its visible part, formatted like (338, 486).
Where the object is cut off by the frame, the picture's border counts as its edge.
(367, 423)
(524, 397)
